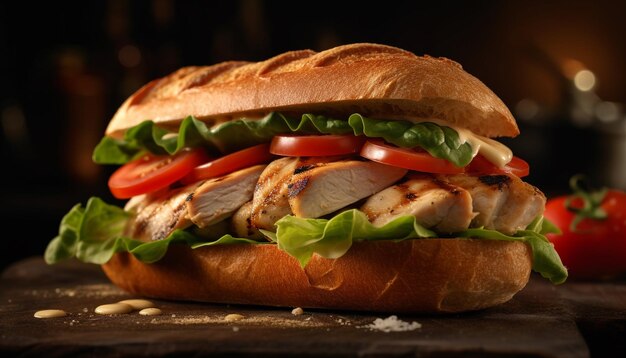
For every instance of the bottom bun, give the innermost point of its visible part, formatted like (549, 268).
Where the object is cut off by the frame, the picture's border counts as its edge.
(429, 275)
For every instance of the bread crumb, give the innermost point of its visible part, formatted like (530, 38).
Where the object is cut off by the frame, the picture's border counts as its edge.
(271, 321)
(233, 317)
(342, 322)
(297, 311)
(235, 329)
(391, 324)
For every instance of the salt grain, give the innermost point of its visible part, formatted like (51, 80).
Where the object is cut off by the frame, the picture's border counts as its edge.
(392, 324)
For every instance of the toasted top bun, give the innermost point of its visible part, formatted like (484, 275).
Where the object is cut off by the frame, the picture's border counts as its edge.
(374, 80)
(427, 275)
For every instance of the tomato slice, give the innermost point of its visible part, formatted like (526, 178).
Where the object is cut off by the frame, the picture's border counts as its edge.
(245, 158)
(153, 172)
(419, 160)
(481, 166)
(315, 145)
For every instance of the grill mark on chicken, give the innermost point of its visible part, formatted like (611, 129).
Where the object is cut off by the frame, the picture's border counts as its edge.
(249, 228)
(270, 203)
(303, 168)
(296, 187)
(158, 214)
(498, 180)
(498, 202)
(503, 203)
(434, 203)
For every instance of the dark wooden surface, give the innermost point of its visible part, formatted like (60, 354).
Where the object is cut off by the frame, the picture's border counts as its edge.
(573, 320)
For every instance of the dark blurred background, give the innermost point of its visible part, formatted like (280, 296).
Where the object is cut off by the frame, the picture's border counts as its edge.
(65, 67)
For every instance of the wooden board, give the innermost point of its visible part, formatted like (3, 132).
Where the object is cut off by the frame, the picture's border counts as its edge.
(572, 320)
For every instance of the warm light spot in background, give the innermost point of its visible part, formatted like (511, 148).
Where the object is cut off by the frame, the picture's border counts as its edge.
(608, 111)
(585, 80)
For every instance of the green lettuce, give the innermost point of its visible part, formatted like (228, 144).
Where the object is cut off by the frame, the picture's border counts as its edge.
(94, 233)
(546, 260)
(440, 141)
(332, 238)
(224, 138)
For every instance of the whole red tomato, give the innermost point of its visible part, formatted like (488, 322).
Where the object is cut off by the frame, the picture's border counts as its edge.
(595, 248)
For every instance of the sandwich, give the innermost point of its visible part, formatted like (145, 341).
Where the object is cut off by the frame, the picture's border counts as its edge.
(361, 178)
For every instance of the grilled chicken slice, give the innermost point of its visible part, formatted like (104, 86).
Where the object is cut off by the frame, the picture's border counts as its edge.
(435, 204)
(156, 215)
(487, 200)
(319, 186)
(242, 224)
(503, 202)
(216, 199)
(270, 194)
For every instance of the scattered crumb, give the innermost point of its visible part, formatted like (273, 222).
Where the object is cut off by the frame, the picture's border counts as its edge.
(249, 321)
(297, 311)
(391, 324)
(173, 315)
(235, 329)
(82, 291)
(233, 317)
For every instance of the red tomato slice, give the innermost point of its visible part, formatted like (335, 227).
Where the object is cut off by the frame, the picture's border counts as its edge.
(153, 172)
(379, 151)
(315, 145)
(481, 166)
(245, 158)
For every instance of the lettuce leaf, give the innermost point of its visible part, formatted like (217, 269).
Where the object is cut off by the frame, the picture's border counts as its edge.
(301, 237)
(440, 141)
(94, 233)
(332, 238)
(224, 138)
(546, 260)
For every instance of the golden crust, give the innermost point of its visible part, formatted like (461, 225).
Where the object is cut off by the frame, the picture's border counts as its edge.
(374, 80)
(429, 275)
